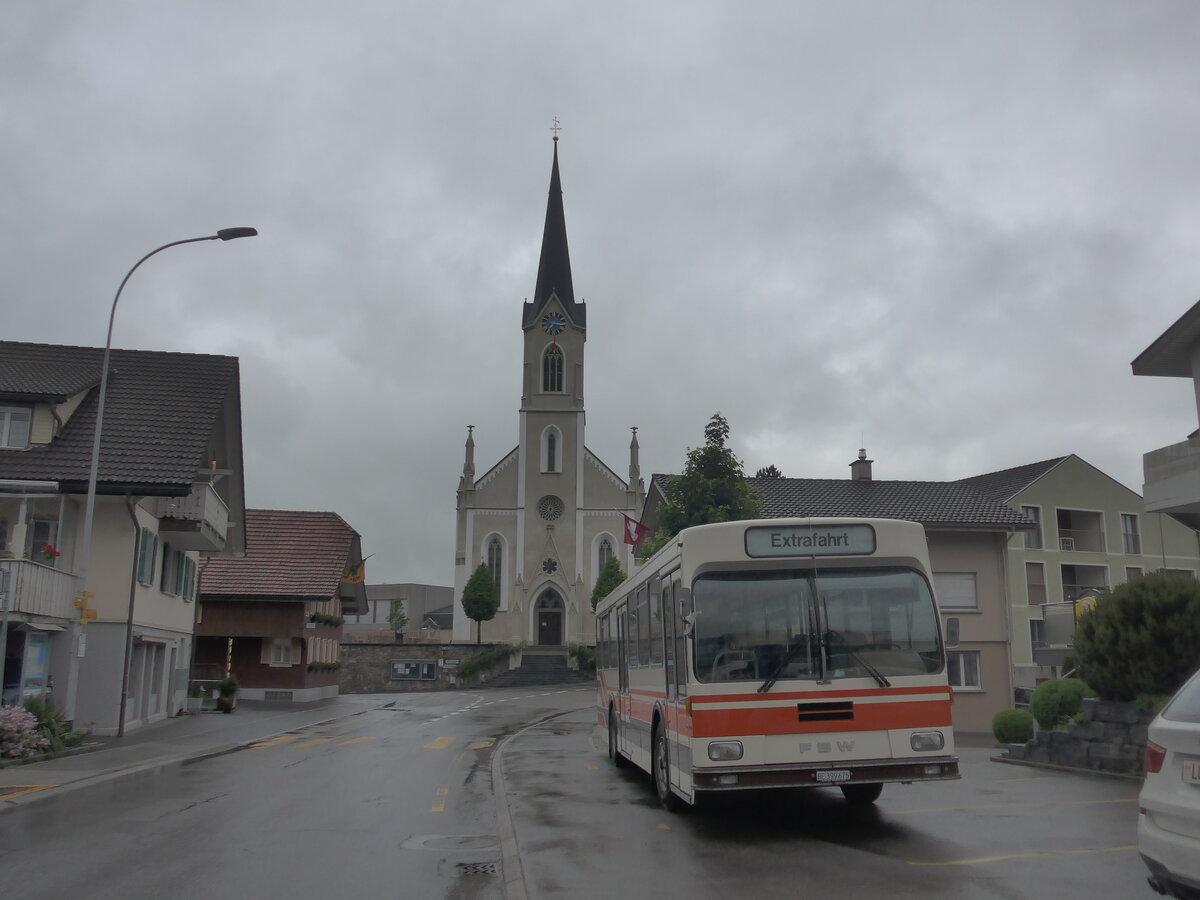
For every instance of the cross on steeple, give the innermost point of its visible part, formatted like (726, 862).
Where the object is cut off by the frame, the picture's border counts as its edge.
(555, 128)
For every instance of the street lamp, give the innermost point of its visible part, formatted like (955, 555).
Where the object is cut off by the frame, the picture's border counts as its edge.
(225, 234)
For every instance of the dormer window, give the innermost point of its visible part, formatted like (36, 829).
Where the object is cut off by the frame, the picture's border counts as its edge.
(14, 426)
(552, 370)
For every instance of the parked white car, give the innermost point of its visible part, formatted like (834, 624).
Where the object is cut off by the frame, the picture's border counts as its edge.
(1169, 804)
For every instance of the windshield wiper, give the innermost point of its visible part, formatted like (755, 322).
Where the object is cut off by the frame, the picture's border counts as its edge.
(778, 670)
(854, 655)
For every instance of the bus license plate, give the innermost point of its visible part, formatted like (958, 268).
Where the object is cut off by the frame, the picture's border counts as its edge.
(833, 776)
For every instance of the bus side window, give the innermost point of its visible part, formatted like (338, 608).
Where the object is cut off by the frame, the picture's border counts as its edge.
(669, 623)
(679, 611)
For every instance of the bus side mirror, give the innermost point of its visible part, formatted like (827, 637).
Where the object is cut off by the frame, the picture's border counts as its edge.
(952, 631)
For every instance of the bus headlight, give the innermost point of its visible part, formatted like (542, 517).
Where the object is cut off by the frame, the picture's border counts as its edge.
(724, 751)
(927, 740)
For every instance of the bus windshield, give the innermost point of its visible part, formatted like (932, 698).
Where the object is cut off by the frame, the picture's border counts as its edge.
(814, 624)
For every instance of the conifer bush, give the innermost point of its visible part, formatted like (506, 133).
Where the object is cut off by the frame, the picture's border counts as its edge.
(1142, 638)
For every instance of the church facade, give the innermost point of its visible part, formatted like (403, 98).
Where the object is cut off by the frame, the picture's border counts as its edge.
(547, 516)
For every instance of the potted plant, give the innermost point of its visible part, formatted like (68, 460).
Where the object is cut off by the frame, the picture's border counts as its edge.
(227, 690)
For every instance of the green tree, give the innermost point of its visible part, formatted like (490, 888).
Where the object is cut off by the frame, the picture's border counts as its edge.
(610, 576)
(481, 598)
(771, 471)
(712, 488)
(397, 617)
(1142, 638)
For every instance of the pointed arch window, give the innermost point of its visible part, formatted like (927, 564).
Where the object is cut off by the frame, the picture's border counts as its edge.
(552, 369)
(606, 552)
(551, 449)
(495, 558)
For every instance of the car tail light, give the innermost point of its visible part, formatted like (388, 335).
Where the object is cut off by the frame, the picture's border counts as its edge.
(1154, 757)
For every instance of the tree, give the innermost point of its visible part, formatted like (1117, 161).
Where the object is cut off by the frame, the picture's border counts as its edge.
(712, 488)
(610, 576)
(481, 598)
(397, 617)
(771, 471)
(1142, 638)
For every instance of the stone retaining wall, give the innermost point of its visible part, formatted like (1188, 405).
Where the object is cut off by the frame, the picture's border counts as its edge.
(1107, 737)
(370, 669)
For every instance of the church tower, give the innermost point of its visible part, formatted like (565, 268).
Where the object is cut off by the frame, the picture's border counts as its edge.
(548, 515)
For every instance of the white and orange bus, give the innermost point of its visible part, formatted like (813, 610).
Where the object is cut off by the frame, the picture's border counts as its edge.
(775, 653)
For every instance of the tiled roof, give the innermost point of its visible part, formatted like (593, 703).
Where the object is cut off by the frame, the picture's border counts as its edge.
(161, 412)
(1007, 483)
(289, 555)
(932, 503)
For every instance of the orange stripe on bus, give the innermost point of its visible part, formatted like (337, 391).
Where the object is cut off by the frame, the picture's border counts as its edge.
(785, 719)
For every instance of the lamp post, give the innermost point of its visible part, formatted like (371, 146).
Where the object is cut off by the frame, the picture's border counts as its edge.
(225, 234)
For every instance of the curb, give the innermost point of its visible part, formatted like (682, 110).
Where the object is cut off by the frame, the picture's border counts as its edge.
(1053, 767)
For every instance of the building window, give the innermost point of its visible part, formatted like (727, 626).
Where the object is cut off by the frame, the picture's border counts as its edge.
(178, 573)
(1037, 634)
(552, 369)
(962, 669)
(281, 651)
(1130, 537)
(1033, 538)
(551, 449)
(605, 554)
(14, 426)
(1132, 572)
(1035, 583)
(495, 558)
(955, 590)
(147, 556)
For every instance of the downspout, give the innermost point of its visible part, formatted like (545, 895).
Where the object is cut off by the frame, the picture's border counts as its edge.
(133, 583)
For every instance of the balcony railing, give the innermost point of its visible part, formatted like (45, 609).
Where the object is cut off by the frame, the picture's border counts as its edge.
(38, 590)
(1172, 478)
(199, 521)
(1080, 539)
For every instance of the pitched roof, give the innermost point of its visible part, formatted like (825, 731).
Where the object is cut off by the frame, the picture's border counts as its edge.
(161, 413)
(289, 556)
(554, 267)
(932, 503)
(1007, 483)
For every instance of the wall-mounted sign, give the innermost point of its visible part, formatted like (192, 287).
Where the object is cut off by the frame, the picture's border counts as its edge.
(414, 670)
(810, 540)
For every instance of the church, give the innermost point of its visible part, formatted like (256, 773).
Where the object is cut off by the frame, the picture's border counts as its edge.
(547, 516)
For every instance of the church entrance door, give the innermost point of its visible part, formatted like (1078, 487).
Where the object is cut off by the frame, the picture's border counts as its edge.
(549, 615)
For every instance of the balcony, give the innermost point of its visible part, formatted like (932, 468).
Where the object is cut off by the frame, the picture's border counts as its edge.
(36, 590)
(1172, 479)
(199, 521)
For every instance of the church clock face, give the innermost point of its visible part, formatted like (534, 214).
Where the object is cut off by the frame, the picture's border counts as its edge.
(553, 323)
(550, 507)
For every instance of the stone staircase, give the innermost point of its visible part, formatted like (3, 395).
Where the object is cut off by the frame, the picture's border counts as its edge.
(538, 669)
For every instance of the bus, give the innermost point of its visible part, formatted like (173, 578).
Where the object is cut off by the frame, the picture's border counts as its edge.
(778, 653)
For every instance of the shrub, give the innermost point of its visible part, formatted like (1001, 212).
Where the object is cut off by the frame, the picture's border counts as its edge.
(1013, 726)
(1056, 700)
(19, 736)
(1142, 638)
(585, 658)
(484, 661)
(51, 725)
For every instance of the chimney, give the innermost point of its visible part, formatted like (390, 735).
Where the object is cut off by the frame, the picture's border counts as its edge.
(860, 469)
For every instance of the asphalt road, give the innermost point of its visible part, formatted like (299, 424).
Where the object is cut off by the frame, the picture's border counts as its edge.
(402, 802)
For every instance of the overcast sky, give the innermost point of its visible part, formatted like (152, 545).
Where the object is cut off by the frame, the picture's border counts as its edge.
(941, 231)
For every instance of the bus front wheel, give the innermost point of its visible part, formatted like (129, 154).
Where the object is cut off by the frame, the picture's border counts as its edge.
(614, 752)
(861, 794)
(662, 774)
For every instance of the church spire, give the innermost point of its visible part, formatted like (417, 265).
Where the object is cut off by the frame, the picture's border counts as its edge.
(554, 267)
(467, 482)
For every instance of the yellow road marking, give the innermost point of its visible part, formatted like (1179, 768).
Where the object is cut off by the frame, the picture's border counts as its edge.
(440, 805)
(592, 766)
(10, 791)
(315, 741)
(439, 743)
(946, 809)
(482, 745)
(663, 826)
(274, 741)
(1011, 856)
(357, 740)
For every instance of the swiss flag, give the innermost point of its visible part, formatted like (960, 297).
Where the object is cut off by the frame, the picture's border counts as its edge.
(634, 530)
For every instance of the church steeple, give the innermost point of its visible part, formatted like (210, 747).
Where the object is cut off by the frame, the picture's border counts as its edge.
(554, 268)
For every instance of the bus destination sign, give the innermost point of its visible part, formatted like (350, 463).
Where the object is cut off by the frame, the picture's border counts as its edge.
(810, 540)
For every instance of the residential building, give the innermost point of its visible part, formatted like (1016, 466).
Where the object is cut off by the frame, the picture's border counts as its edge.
(1172, 473)
(968, 535)
(546, 517)
(169, 492)
(1090, 534)
(429, 608)
(273, 618)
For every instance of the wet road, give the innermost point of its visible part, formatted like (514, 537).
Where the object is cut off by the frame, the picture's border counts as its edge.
(401, 802)
(588, 830)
